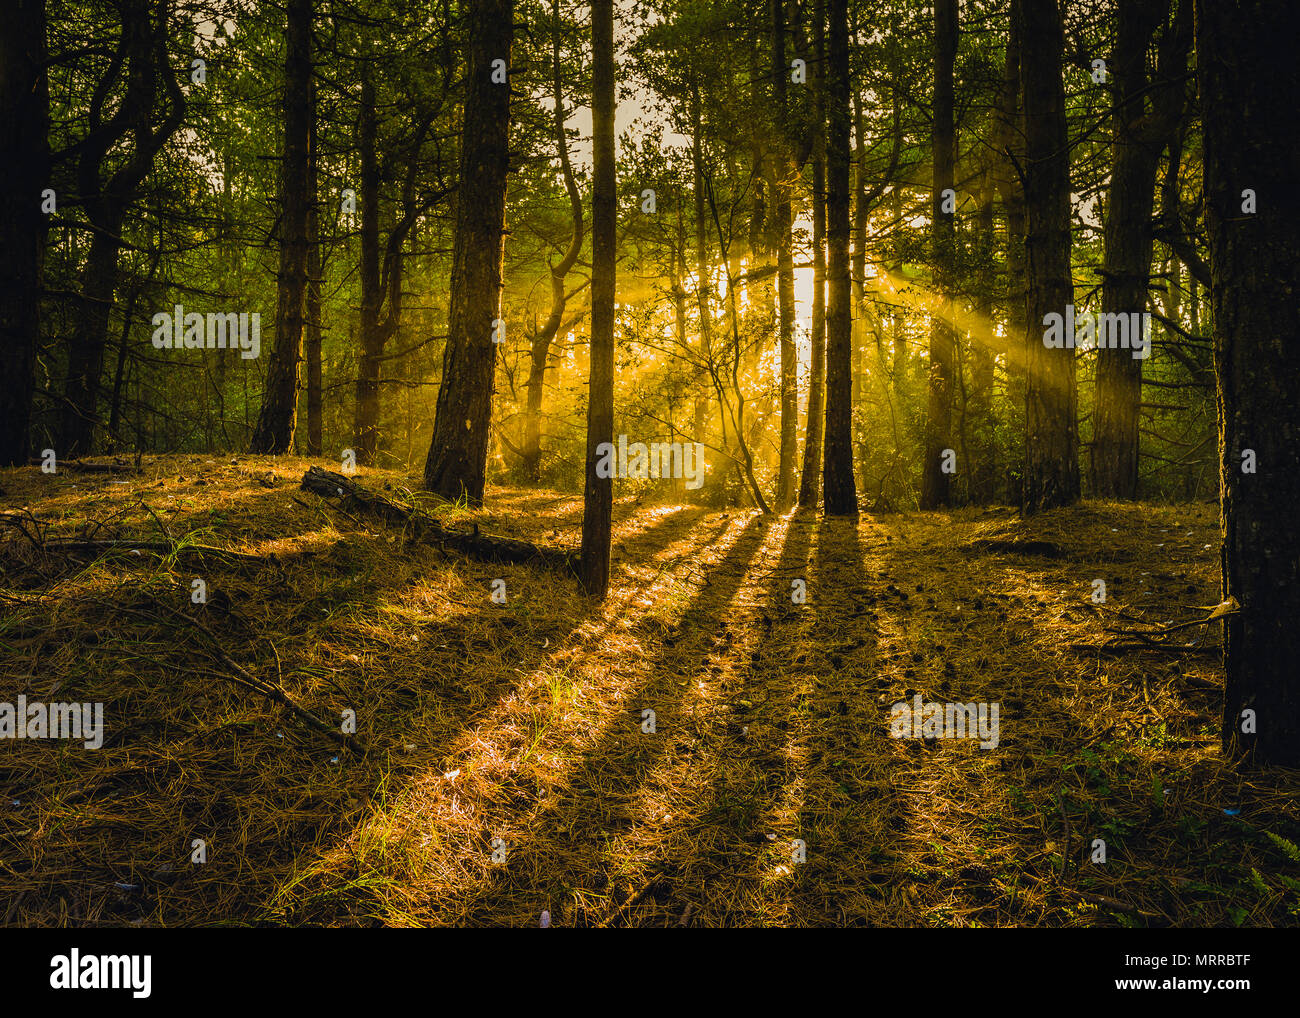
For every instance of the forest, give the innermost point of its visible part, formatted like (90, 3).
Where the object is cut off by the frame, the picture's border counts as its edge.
(649, 463)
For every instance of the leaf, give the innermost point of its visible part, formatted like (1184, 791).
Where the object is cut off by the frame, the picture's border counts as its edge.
(1289, 848)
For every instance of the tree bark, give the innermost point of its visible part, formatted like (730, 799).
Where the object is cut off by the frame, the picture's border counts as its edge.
(1138, 140)
(456, 466)
(1051, 428)
(24, 168)
(811, 477)
(936, 483)
(784, 242)
(841, 497)
(315, 410)
(540, 348)
(278, 418)
(142, 57)
(1250, 90)
(1010, 150)
(366, 424)
(598, 495)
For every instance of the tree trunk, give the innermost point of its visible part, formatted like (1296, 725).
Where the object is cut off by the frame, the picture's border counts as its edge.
(88, 339)
(279, 415)
(1051, 428)
(859, 258)
(936, 482)
(315, 422)
(598, 495)
(810, 479)
(703, 288)
(1138, 140)
(457, 462)
(978, 409)
(540, 348)
(840, 487)
(24, 132)
(1250, 90)
(784, 242)
(366, 430)
(1010, 126)
(143, 60)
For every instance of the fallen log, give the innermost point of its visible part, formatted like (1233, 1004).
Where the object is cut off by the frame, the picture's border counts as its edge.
(331, 485)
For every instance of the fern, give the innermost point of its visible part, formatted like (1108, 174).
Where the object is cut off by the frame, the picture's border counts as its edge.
(1288, 848)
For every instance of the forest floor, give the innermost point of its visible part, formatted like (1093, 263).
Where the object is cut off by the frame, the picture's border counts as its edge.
(516, 729)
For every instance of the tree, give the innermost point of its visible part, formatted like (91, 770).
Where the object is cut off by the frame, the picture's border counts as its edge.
(841, 496)
(1139, 136)
(312, 337)
(782, 224)
(1051, 428)
(457, 462)
(24, 125)
(279, 414)
(141, 58)
(598, 495)
(936, 487)
(811, 477)
(540, 346)
(1250, 89)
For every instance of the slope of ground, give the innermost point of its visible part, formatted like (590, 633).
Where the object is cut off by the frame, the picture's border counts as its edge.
(509, 767)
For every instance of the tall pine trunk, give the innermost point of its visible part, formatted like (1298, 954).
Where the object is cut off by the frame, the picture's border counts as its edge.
(1139, 137)
(24, 130)
(936, 481)
(1051, 428)
(1010, 155)
(598, 495)
(312, 341)
(841, 497)
(366, 422)
(457, 462)
(811, 477)
(540, 347)
(784, 242)
(279, 415)
(1250, 90)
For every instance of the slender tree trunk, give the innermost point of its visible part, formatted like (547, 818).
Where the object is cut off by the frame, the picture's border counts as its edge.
(1250, 90)
(456, 466)
(275, 426)
(366, 429)
(540, 348)
(1010, 154)
(703, 277)
(1051, 426)
(811, 477)
(1114, 459)
(859, 260)
(936, 482)
(784, 238)
(24, 131)
(143, 62)
(840, 487)
(978, 410)
(315, 423)
(1138, 140)
(598, 496)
